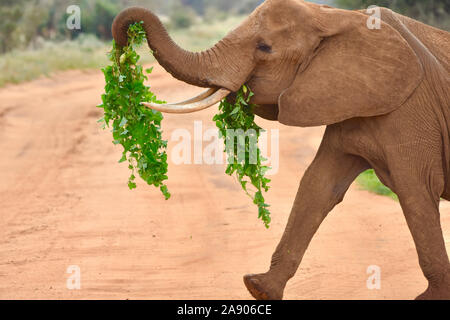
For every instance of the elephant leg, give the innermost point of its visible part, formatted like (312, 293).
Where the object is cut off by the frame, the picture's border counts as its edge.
(323, 186)
(421, 209)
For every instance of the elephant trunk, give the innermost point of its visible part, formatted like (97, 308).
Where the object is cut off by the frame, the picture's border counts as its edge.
(211, 68)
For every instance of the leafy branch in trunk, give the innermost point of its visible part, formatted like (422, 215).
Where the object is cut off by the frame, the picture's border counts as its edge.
(135, 127)
(244, 157)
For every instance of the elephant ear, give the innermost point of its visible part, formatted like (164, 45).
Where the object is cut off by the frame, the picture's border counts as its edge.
(356, 72)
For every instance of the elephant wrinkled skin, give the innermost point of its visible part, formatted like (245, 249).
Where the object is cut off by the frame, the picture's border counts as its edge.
(382, 93)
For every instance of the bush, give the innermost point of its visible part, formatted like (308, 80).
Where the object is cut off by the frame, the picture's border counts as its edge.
(97, 18)
(369, 181)
(182, 17)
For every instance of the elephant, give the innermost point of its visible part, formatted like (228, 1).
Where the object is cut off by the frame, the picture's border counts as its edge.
(382, 93)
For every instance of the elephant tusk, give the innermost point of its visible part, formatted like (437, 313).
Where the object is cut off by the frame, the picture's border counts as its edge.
(200, 97)
(200, 102)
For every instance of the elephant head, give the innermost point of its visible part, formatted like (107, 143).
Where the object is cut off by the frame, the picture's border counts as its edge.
(307, 64)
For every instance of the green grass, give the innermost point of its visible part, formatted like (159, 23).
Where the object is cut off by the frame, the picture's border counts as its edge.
(369, 181)
(24, 65)
(87, 52)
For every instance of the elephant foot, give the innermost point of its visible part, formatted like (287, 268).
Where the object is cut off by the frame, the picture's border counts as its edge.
(437, 292)
(262, 287)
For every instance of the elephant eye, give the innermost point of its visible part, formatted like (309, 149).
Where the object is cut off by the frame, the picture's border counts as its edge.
(264, 47)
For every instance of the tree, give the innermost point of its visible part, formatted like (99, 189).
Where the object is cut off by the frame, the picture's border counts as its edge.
(97, 17)
(10, 13)
(182, 16)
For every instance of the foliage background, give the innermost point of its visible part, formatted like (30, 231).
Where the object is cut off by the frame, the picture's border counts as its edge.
(25, 23)
(432, 12)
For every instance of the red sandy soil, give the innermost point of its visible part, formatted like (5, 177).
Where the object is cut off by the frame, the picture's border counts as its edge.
(64, 201)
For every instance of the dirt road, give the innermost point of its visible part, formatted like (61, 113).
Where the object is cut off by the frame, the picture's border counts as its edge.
(64, 201)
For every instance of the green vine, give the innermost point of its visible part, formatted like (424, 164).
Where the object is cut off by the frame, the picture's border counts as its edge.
(244, 157)
(135, 127)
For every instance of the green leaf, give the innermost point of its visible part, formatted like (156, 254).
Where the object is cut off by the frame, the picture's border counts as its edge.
(123, 122)
(124, 158)
(235, 110)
